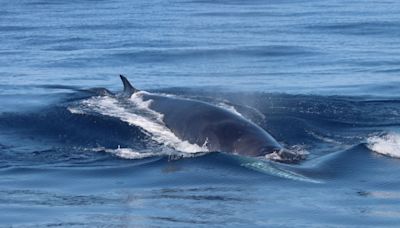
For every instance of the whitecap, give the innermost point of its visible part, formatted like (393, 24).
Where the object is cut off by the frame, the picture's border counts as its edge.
(387, 144)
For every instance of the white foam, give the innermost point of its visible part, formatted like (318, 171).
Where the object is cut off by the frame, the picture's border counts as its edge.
(274, 156)
(229, 108)
(74, 110)
(127, 153)
(298, 151)
(137, 113)
(388, 144)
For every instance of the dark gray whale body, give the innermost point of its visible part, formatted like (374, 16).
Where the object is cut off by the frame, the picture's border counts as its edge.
(207, 125)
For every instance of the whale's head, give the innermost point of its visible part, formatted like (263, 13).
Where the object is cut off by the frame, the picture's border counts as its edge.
(256, 144)
(263, 144)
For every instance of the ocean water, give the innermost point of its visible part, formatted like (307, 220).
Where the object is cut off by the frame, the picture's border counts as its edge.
(323, 77)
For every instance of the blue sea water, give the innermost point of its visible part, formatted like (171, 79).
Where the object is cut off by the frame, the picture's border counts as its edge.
(321, 76)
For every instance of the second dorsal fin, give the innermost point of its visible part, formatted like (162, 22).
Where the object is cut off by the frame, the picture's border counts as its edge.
(128, 88)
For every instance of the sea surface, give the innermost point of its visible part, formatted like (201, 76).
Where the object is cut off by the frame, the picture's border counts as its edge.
(323, 77)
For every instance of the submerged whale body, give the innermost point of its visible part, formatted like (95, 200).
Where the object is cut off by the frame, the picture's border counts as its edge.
(215, 128)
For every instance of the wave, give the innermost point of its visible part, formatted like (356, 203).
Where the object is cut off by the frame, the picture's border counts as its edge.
(359, 28)
(87, 129)
(387, 144)
(144, 55)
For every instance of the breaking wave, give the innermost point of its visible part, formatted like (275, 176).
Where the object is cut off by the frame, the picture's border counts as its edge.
(387, 144)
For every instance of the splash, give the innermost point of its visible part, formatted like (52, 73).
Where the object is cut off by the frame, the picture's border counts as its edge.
(136, 112)
(229, 108)
(293, 154)
(388, 144)
(127, 153)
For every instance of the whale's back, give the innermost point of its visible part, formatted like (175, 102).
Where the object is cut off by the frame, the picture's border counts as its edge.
(208, 125)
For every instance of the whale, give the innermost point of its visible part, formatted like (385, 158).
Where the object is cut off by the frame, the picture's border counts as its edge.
(211, 126)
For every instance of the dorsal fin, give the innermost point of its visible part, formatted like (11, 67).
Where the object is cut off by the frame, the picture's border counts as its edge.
(128, 88)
